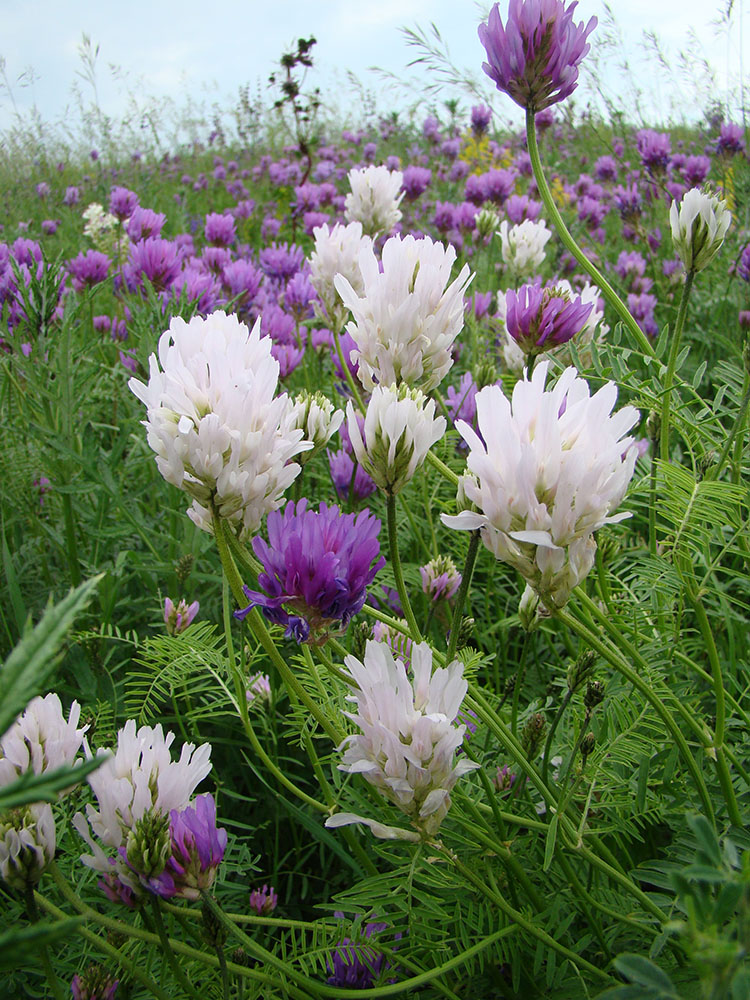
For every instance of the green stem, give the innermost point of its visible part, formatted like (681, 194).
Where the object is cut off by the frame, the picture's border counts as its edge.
(734, 433)
(336, 993)
(126, 930)
(612, 655)
(116, 956)
(347, 374)
(442, 468)
(397, 570)
(49, 972)
(552, 729)
(511, 862)
(674, 350)
(258, 626)
(722, 770)
(518, 683)
(517, 917)
(463, 590)
(166, 948)
(570, 244)
(224, 971)
(475, 701)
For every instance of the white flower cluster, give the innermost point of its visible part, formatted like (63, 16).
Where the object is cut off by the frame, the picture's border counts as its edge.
(408, 737)
(337, 252)
(104, 230)
(550, 467)
(699, 227)
(595, 329)
(400, 428)
(374, 198)
(28, 841)
(39, 741)
(407, 319)
(317, 418)
(137, 779)
(214, 420)
(522, 247)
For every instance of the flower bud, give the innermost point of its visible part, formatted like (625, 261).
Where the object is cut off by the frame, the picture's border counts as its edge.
(699, 227)
(440, 578)
(214, 933)
(486, 221)
(258, 690)
(95, 984)
(149, 845)
(533, 734)
(528, 609)
(400, 428)
(264, 901)
(178, 617)
(183, 568)
(587, 747)
(315, 415)
(580, 670)
(484, 373)
(504, 779)
(594, 695)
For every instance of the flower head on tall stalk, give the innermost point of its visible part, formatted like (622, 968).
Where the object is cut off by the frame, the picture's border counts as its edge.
(593, 330)
(539, 319)
(699, 226)
(408, 316)
(408, 736)
(400, 428)
(374, 198)
(316, 564)
(534, 57)
(214, 420)
(551, 466)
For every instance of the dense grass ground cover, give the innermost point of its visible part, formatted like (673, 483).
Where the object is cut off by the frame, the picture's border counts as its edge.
(601, 837)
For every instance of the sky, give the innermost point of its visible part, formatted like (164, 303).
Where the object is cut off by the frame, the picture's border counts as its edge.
(202, 52)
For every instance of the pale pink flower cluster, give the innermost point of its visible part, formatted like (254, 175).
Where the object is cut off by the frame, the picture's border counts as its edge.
(408, 736)
(550, 467)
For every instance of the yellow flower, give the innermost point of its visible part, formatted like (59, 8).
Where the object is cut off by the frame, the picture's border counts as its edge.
(727, 187)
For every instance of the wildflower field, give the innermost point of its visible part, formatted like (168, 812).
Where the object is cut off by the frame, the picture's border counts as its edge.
(375, 555)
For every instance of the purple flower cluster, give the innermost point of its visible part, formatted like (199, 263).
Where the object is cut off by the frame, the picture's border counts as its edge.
(541, 318)
(534, 57)
(198, 847)
(357, 966)
(319, 564)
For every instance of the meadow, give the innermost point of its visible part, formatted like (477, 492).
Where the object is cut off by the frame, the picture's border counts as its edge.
(375, 593)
